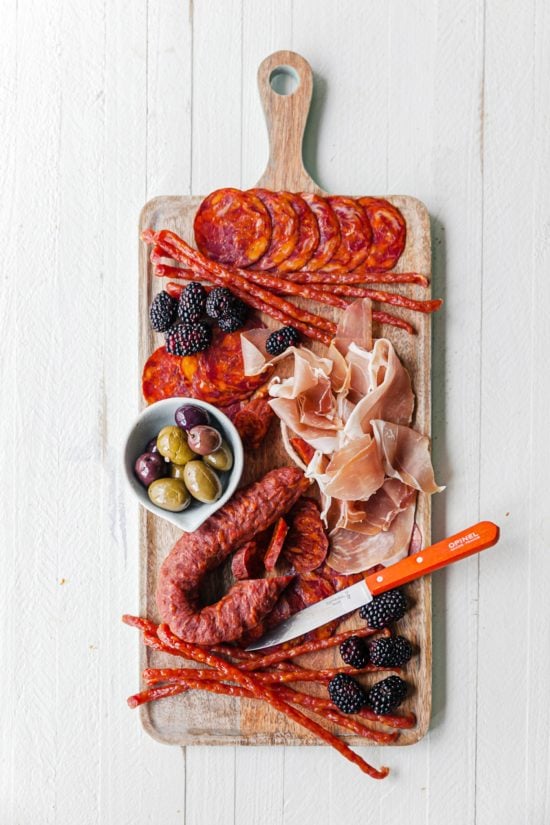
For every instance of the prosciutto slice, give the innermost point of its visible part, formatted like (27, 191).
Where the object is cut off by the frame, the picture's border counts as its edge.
(353, 552)
(354, 471)
(406, 455)
(376, 514)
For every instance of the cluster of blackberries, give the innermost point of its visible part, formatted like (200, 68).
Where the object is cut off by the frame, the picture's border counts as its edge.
(182, 321)
(387, 651)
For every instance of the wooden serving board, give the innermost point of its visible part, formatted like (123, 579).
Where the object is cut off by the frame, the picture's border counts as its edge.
(202, 718)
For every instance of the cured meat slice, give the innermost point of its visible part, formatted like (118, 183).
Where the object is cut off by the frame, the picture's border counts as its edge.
(306, 546)
(308, 239)
(376, 514)
(276, 544)
(354, 472)
(285, 229)
(406, 455)
(232, 227)
(389, 233)
(353, 552)
(247, 561)
(163, 377)
(252, 421)
(329, 231)
(356, 235)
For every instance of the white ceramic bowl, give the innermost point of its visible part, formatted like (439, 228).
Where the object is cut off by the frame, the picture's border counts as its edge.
(147, 425)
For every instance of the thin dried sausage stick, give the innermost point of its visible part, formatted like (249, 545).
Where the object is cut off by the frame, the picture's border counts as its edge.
(357, 276)
(257, 297)
(154, 675)
(261, 692)
(392, 320)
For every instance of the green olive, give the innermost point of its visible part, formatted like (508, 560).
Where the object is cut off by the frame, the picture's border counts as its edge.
(169, 494)
(202, 482)
(176, 470)
(172, 444)
(221, 459)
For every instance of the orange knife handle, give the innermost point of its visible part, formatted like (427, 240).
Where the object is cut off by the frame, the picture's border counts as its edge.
(463, 544)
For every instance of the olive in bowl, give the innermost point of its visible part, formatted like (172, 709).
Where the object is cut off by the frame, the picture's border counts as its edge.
(151, 421)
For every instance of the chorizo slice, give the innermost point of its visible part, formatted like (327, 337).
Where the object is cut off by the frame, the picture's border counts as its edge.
(306, 546)
(285, 229)
(308, 239)
(356, 234)
(232, 227)
(389, 233)
(247, 561)
(253, 421)
(250, 511)
(329, 231)
(162, 377)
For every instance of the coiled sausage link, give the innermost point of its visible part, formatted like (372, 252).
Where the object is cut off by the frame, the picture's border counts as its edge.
(251, 510)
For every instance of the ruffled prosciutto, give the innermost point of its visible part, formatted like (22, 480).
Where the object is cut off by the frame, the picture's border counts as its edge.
(353, 409)
(353, 552)
(406, 455)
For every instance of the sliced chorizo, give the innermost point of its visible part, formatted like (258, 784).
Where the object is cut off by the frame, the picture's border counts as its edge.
(356, 234)
(308, 239)
(329, 231)
(285, 228)
(232, 227)
(389, 233)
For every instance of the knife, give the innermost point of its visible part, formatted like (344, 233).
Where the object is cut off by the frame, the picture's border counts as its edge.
(460, 546)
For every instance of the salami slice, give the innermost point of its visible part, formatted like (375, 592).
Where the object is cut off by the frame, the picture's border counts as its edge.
(308, 239)
(285, 229)
(232, 227)
(356, 234)
(162, 377)
(329, 231)
(389, 233)
(252, 421)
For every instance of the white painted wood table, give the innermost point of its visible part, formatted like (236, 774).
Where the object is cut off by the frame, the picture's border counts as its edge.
(105, 104)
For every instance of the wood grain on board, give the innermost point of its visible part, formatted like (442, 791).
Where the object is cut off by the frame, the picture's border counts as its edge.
(202, 718)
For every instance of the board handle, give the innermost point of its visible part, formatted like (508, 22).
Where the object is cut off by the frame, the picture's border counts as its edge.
(286, 116)
(472, 540)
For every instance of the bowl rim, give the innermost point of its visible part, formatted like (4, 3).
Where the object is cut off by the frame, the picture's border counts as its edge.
(234, 475)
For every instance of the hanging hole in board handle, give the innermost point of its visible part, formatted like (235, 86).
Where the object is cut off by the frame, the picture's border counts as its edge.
(284, 80)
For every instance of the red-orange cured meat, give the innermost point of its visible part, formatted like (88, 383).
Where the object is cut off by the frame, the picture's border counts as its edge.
(356, 234)
(306, 546)
(389, 233)
(232, 227)
(276, 544)
(163, 377)
(329, 231)
(247, 561)
(250, 511)
(215, 375)
(308, 239)
(285, 229)
(253, 421)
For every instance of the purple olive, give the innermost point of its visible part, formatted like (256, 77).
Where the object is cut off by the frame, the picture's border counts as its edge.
(152, 446)
(204, 440)
(149, 467)
(188, 416)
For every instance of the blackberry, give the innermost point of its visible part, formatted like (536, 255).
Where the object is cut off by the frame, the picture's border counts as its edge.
(390, 652)
(346, 693)
(386, 695)
(192, 304)
(220, 302)
(186, 339)
(234, 319)
(354, 652)
(162, 312)
(384, 609)
(281, 339)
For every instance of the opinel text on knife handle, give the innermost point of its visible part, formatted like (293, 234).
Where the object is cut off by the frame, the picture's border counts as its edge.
(466, 543)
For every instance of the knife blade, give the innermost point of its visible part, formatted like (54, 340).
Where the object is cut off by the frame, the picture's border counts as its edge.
(458, 546)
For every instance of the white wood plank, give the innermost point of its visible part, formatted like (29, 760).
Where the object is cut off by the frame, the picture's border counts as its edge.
(210, 786)
(169, 97)
(510, 354)
(217, 95)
